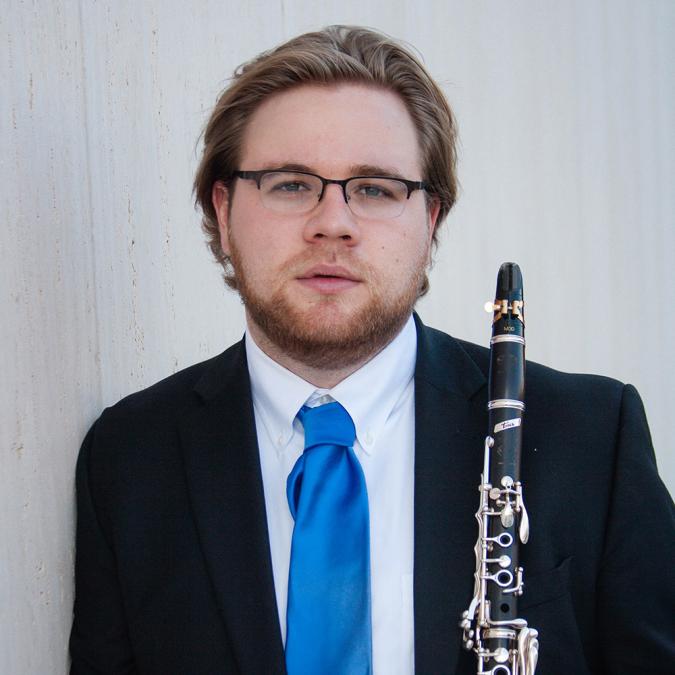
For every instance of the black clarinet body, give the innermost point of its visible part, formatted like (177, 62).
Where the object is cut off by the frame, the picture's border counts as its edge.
(503, 642)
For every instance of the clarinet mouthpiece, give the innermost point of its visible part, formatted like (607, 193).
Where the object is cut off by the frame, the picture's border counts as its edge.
(509, 279)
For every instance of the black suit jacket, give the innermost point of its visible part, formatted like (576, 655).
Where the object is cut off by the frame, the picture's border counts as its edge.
(173, 569)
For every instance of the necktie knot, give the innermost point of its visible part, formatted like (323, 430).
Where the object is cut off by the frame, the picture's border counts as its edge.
(327, 424)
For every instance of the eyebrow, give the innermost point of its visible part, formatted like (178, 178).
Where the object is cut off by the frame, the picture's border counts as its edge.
(354, 169)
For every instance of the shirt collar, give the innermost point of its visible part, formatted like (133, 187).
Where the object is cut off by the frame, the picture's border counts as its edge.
(369, 395)
(277, 394)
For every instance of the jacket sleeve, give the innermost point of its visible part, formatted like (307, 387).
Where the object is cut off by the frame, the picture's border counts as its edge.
(99, 641)
(636, 584)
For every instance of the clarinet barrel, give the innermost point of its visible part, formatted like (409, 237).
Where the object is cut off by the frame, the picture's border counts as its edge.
(503, 642)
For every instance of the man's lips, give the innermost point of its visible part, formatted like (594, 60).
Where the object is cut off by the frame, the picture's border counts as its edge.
(328, 278)
(326, 270)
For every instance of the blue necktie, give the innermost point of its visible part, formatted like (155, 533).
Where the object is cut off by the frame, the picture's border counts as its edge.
(328, 626)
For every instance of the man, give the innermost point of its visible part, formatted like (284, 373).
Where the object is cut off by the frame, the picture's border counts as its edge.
(304, 502)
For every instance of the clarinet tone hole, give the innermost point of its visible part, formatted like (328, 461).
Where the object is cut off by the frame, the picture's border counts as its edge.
(505, 540)
(503, 578)
(504, 607)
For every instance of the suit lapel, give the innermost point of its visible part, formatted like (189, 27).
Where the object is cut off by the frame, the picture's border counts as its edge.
(225, 485)
(449, 428)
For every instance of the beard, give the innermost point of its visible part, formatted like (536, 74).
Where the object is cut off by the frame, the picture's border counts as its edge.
(330, 333)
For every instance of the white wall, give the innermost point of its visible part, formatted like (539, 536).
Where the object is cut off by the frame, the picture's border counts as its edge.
(565, 112)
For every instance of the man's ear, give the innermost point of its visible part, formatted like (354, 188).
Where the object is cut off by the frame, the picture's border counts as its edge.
(434, 210)
(220, 198)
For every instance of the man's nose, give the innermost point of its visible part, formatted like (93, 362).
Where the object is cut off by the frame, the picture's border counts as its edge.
(332, 218)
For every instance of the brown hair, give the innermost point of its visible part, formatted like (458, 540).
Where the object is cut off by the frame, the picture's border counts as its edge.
(335, 54)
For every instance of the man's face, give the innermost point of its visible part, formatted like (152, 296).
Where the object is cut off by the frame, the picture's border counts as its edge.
(326, 287)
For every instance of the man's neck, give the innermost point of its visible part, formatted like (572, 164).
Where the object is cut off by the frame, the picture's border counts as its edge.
(322, 378)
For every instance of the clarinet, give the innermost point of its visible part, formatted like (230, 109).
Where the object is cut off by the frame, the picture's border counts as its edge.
(503, 643)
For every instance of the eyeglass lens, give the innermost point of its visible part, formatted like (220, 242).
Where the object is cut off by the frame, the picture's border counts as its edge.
(289, 192)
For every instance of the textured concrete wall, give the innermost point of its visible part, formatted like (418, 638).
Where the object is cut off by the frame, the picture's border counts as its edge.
(565, 112)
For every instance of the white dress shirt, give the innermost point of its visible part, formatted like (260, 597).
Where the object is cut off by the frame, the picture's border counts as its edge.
(380, 399)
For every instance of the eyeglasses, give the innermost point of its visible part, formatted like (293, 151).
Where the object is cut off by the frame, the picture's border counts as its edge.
(298, 192)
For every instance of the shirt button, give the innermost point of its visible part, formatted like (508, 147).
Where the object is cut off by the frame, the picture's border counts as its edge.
(369, 438)
(280, 440)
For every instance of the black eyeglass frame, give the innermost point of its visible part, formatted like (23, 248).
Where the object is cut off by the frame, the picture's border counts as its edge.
(411, 185)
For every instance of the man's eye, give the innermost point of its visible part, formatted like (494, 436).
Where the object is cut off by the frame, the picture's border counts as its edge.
(373, 192)
(290, 187)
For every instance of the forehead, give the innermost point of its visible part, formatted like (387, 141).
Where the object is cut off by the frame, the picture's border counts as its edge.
(332, 128)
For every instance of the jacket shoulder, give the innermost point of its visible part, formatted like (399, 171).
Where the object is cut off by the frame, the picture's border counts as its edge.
(164, 401)
(443, 358)
(542, 376)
